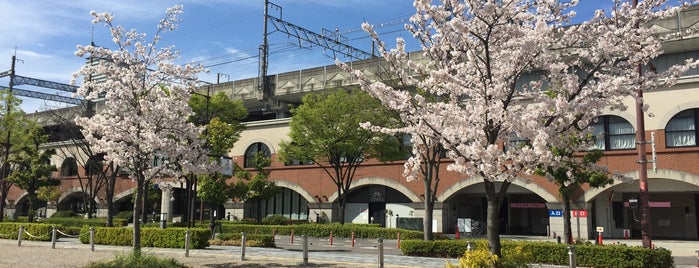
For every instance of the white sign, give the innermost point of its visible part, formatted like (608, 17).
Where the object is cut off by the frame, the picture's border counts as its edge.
(600, 229)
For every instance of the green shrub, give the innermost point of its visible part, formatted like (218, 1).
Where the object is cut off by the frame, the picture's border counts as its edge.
(144, 261)
(323, 230)
(476, 259)
(38, 231)
(276, 220)
(65, 214)
(252, 240)
(126, 215)
(517, 252)
(150, 237)
(80, 222)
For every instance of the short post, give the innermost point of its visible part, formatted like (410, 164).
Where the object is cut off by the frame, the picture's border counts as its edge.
(456, 231)
(292, 236)
(558, 239)
(243, 240)
(53, 237)
(274, 232)
(697, 251)
(186, 243)
(352, 238)
(92, 238)
(571, 256)
(331, 237)
(469, 246)
(599, 238)
(380, 240)
(305, 249)
(19, 236)
(398, 243)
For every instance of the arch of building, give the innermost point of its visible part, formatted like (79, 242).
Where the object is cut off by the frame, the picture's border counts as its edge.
(535, 188)
(296, 188)
(633, 175)
(124, 194)
(662, 123)
(21, 198)
(630, 118)
(70, 192)
(380, 181)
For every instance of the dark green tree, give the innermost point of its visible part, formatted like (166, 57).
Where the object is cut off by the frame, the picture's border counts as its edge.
(32, 168)
(572, 173)
(14, 127)
(222, 118)
(326, 130)
(254, 187)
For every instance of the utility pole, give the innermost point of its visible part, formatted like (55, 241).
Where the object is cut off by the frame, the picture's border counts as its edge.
(642, 161)
(4, 184)
(264, 53)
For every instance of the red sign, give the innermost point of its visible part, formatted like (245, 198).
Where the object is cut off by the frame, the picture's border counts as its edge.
(579, 213)
(527, 205)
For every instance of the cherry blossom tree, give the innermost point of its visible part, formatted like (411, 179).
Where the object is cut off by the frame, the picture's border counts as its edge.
(142, 126)
(510, 79)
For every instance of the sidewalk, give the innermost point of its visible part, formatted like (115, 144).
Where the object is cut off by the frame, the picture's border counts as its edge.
(69, 252)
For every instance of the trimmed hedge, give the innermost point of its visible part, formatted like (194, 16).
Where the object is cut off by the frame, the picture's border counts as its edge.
(150, 237)
(322, 230)
(252, 240)
(38, 231)
(80, 222)
(550, 253)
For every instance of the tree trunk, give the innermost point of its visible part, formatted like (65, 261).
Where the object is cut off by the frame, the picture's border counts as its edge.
(138, 203)
(495, 199)
(427, 221)
(2, 206)
(109, 196)
(567, 230)
(30, 202)
(341, 209)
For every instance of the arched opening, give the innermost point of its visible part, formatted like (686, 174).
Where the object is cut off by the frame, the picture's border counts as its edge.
(253, 150)
(378, 204)
(69, 168)
(674, 205)
(287, 203)
(523, 212)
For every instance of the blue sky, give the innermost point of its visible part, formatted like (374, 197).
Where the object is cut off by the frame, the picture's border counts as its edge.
(223, 34)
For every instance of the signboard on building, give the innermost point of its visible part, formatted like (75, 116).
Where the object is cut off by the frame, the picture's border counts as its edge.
(579, 213)
(555, 213)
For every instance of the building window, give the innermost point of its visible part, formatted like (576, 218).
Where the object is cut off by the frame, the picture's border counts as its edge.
(69, 167)
(253, 150)
(681, 130)
(613, 133)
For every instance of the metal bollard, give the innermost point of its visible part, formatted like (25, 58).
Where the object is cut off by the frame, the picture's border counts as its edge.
(92, 238)
(380, 240)
(331, 237)
(469, 246)
(243, 240)
(398, 243)
(292, 236)
(697, 251)
(53, 237)
(571, 256)
(305, 249)
(352, 238)
(19, 236)
(186, 243)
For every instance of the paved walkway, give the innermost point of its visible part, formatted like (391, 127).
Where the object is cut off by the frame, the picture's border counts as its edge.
(69, 252)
